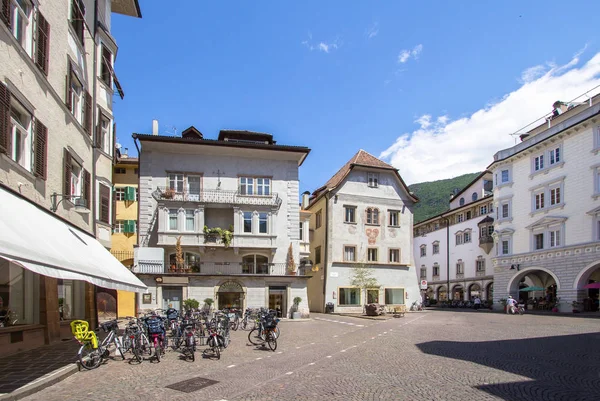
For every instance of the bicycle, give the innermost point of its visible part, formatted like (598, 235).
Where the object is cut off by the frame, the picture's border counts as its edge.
(189, 341)
(91, 354)
(136, 340)
(215, 340)
(266, 332)
(156, 331)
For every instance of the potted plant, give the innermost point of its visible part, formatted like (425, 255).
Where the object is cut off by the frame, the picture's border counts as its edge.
(296, 312)
(190, 304)
(291, 264)
(576, 305)
(168, 193)
(217, 232)
(208, 303)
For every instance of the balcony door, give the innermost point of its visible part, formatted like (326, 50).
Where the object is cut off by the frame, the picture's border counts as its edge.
(255, 264)
(193, 187)
(172, 297)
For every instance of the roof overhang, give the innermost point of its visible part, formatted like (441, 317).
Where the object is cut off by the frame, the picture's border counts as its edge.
(126, 7)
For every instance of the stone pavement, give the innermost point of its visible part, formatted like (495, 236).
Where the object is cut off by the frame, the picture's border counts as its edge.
(424, 356)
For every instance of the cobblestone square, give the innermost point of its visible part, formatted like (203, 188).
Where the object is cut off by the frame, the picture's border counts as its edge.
(433, 355)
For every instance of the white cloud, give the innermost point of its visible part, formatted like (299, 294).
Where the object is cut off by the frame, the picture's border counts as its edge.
(405, 55)
(443, 148)
(533, 73)
(371, 32)
(321, 46)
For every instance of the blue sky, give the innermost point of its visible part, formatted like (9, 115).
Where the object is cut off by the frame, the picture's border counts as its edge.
(406, 81)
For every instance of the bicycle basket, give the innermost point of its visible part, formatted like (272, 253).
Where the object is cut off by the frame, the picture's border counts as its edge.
(270, 322)
(155, 326)
(172, 314)
(80, 329)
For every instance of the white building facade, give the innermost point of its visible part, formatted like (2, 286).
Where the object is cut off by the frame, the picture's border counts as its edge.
(454, 250)
(547, 228)
(56, 151)
(232, 203)
(362, 217)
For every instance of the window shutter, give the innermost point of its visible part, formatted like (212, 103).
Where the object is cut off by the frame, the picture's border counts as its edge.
(104, 204)
(69, 91)
(67, 172)
(5, 134)
(129, 193)
(87, 188)
(43, 43)
(40, 161)
(88, 114)
(5, 12)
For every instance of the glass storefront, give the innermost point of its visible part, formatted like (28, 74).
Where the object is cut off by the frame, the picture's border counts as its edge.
(18, 292)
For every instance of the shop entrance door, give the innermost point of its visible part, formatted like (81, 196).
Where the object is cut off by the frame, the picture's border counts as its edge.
(278, 300)
(172, 297)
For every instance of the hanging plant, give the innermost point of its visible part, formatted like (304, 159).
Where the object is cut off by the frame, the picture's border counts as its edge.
(225, 235)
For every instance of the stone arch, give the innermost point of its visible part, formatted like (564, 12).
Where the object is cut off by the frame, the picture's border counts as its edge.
(474, 289)
(584, 275)
(458, 288)
(489, 291)
(223, 294)
(513, 284)
(441, 289)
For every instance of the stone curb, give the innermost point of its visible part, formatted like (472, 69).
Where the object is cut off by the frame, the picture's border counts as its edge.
(41, 383)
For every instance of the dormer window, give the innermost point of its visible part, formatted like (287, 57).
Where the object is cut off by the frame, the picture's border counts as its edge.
(373, 180)
(474, 196)
(461, 202)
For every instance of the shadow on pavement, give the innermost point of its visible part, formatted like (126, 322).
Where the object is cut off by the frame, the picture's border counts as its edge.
(562, 367)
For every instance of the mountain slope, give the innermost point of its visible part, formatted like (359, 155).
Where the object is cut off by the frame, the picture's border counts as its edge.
(434, 196)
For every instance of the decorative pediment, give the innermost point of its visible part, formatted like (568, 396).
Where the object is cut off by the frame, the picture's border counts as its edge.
(503, 232)
(547, 221)
(486, 220)
(594, 212)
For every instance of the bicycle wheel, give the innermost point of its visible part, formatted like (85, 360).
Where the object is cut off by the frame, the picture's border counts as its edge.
(272, 341)
(89, 357)
(276, 332)
(254, 337)
(137, 355)
(217, 352)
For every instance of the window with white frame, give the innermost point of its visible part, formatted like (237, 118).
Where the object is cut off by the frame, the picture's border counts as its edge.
(491, 208)
(120, 193)
(483, 210)
(255, 186)
(554, 238)
(373, 216)
(468, 215)
(460, 267)
(189, 220)
(173, 219)
(118, 227)
(459, 238)
(394, 255)
(467, 236)
(77, 18)
(538, 241)
(423, 274)
(21, 22)
(480, 265)
(77, 98)
(176, 182)
(263, 223)
(505, 247)
(436, 270)
(490, 230)
(548, 196)
(435, 248)
(423, 250)
(538, 162)
(373, 180)
(350, 253)
(555, 155)
(504, 176)
(503, 211)
(106, 66)
(394, 220)
(349, 214)
(247, 222)
(548, 233)
(372, 254)
(76, 178)
(483, 232)
(504, 243)
(21, 134)
(460, 218)
(105, 140)
(301, 234)
(193, 186)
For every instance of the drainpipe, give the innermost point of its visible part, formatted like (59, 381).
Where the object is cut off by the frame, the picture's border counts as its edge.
(135, 141)
(325, 254)
(94, 117)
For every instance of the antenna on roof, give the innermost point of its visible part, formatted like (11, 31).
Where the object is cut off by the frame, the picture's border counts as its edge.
(172, 131)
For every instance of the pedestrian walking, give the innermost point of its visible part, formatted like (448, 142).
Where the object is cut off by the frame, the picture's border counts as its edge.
(510, 304)
(477, 303)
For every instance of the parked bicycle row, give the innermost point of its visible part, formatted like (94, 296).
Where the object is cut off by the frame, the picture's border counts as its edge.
(152, 334)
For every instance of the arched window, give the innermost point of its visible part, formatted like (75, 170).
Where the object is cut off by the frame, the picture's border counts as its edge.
(255, 264)
(474, 196)
(191, 261)
(372, 215)
(461, 202)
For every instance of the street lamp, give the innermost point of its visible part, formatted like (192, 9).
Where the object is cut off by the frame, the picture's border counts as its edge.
(79, 202)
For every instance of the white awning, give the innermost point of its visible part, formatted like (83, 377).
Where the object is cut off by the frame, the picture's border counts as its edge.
(40, 242)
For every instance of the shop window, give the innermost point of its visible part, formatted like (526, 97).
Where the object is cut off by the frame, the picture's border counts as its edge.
(394, 296)
(65, 299)
(17, 295)
(349, 296)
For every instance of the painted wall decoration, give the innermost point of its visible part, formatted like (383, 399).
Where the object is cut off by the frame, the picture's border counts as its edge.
(372, 234)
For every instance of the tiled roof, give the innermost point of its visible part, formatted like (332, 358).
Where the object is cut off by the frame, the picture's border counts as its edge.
(363, 159)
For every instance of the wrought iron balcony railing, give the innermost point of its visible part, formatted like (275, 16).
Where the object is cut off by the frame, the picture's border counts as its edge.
(223, 268)
(222, 196)
(488, 239)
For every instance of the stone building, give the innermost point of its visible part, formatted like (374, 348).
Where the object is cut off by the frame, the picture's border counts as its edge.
(547, 228)
(362, 217)
(232, 205)
(56, 142)
(454, 249)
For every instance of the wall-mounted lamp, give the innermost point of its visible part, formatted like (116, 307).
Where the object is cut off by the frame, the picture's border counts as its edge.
(79, 202)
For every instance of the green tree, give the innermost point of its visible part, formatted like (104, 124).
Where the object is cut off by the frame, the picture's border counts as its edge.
(362, 276)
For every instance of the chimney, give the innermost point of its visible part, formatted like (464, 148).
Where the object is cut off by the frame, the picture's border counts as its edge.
(124, 153)
(305, 199)
(154, 127)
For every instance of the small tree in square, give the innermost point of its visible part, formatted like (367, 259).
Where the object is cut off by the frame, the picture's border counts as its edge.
(362, 276)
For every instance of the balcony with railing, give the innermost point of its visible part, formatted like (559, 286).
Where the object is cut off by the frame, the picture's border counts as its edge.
(216, 196)
(223, 268)
(486, 239)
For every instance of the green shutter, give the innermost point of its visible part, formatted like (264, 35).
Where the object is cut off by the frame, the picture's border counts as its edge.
(129, 226)
(129, 193)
